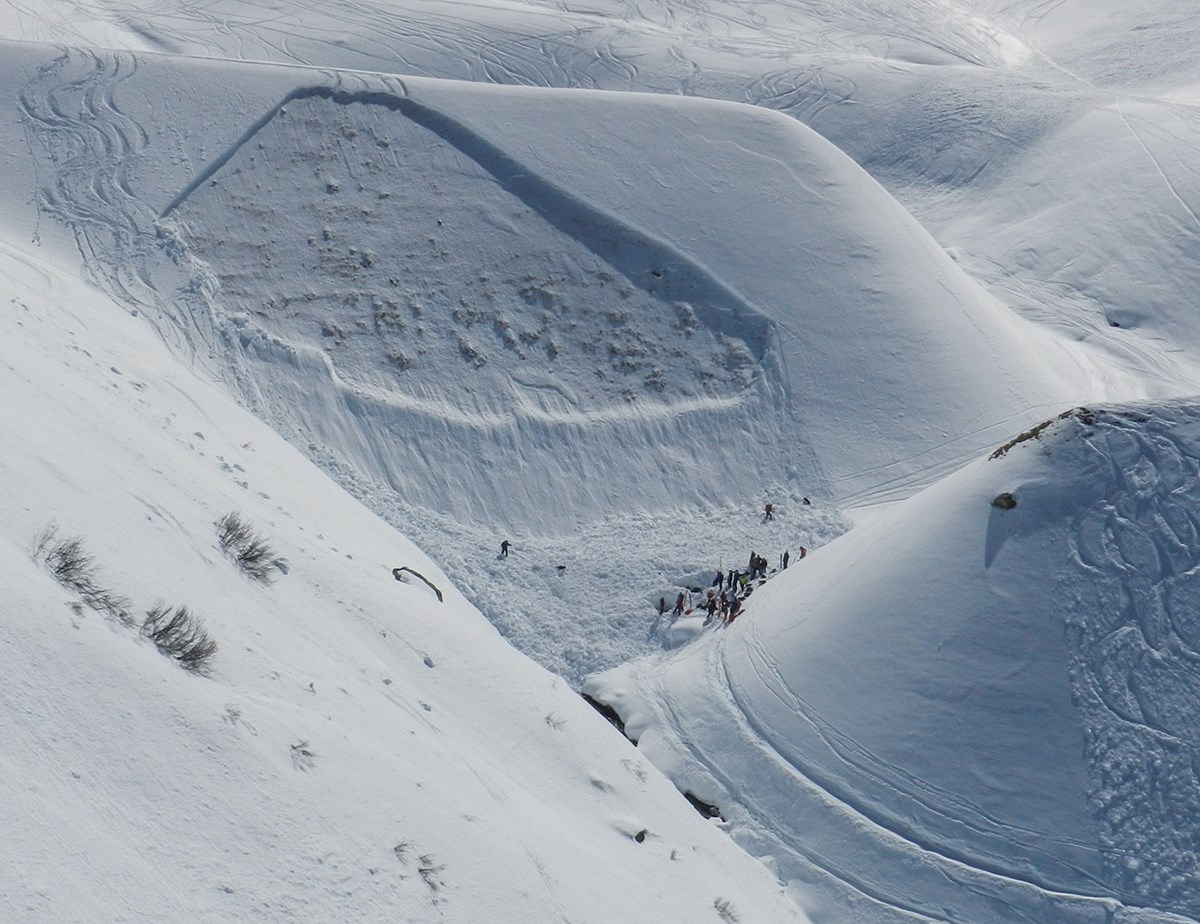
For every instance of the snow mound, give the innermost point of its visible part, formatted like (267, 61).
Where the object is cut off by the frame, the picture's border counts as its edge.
(964, 709)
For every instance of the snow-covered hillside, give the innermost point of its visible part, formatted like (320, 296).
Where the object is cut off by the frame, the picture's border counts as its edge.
(536, 339)
(1014, 129)
(393, 319)
(578, 309)
(964, 712)
(357, 750)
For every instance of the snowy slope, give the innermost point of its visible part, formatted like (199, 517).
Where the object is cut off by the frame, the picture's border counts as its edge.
(483, 331)
(587, 305)
(358, 751)
(573, 314)
(608, 327)
(963, 712)
(1014, 130)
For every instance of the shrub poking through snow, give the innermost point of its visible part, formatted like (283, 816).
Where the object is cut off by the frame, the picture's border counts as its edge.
(74, 568)
(246, 547)
(65, 557)
(302, 755)
(1086, 415)
(726, 910)
(180, 634)
(431, 872)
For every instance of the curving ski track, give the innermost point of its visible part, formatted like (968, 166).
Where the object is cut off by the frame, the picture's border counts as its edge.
(885, 873)
(89, 144)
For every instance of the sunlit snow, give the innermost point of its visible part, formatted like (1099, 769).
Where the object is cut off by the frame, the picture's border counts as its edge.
(268, 259)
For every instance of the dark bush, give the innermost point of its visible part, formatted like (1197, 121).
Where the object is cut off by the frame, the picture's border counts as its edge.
(431, 872)
(74, 568)
(246, 548)
(181, 635)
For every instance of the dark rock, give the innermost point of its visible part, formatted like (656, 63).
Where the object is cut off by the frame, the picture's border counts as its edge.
(707, 809)
(609, 713)
(1004, 501)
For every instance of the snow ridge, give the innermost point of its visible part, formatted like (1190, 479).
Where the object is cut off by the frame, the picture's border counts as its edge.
(653, 264)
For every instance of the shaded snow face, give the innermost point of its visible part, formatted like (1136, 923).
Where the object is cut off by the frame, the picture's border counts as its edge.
(420, 260)
(1104, 548)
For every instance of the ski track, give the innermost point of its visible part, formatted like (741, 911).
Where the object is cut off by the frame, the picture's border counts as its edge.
(898, 785)
(869, 862)
(71, 108)
(1158, 167)
(614, 49)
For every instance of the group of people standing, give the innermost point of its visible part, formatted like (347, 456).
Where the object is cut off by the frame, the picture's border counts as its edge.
(727, 592)
(725, 604)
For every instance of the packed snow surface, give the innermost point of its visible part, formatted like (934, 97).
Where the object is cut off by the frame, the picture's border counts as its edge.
(608, 328)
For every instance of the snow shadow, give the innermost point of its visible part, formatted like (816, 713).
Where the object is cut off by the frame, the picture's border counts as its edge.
(653, 265)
